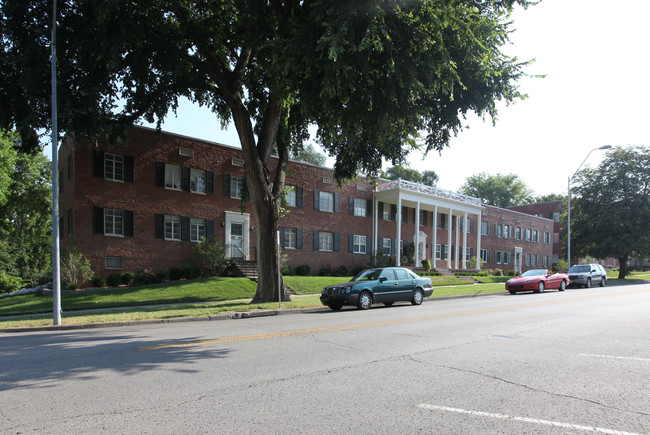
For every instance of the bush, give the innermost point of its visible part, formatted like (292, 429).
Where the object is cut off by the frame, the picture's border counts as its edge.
(286, 270)
(175, 274)
(161, 276)
(9, 284)
(75, 268)
(341, 271)
(303, 270)
(190, 273)
(70, 286)
(498, 272)
(325, 271)
(426, 263)
(98, 281)
(144, 277)
(114, 279)
(511, 273)
(127, 278)
(211, 257)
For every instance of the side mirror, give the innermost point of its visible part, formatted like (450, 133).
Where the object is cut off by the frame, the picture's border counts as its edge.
(382, 279)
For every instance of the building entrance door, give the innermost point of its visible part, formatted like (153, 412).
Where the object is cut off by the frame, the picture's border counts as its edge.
(518, 255)
(237, 238)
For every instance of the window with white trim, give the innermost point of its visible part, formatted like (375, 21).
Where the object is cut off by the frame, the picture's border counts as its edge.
(173, 177)
(386, 245)
(236, 186)
(197, 180)
(359, 244)
(485, 228)
(360, 206)
(197, 229)
(325, 241)
(172, 227)
(113, 222)
(518, 233)
(290, 195)
(113, 167)
(326, 201)
(485, 255)
(290, 238)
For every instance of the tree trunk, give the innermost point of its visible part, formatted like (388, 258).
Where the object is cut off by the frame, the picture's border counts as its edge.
(622, 269)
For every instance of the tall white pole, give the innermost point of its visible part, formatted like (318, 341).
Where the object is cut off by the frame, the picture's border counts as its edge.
(568, 225)
(56, 276)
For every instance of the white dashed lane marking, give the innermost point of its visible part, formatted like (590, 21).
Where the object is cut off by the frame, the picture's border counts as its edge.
(615, 357)
(556, 424)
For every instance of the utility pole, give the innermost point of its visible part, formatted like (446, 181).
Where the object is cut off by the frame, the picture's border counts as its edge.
(56, 275)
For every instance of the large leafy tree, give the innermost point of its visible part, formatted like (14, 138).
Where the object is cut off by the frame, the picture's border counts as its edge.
(430, 178)
(370, 75)
(25, 216)
(308, 154)
(611, 210)
(497, 190)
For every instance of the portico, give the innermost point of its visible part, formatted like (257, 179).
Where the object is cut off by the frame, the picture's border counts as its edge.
(454, 217)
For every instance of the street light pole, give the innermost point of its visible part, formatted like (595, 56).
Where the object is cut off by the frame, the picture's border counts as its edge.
(568, 226)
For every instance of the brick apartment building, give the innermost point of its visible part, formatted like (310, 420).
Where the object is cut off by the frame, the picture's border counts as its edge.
(145, 203)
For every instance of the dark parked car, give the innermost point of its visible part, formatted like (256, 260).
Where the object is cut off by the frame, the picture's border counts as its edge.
(586, 275)
(537, 280)
(386, 285)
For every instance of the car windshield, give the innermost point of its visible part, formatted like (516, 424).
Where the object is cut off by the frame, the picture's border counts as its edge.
(368, 275)
(579, 269)
(534, 272)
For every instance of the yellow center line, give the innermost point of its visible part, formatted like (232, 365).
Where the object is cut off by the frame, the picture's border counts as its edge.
(371, 324)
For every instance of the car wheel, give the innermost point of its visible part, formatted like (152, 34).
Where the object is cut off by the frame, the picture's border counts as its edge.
(336, 307)
(365, 301)
(512, 292)
(388, 304)
(603, 282)
(563, 285)
(540, 287)
(588, 285)
(418, 297)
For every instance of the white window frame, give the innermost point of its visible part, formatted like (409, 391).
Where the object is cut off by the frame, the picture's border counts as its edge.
(198, 181)
(290, 195)
(359, 244)
(485, 255)
(485, 228)
(360, 207)
(173, 175)
(113, 167)
(113, 222)
(326, 241)
(386, 245)
(326, 201)
(290, 238)
(236, 186)
(197, 229)
(172, 227)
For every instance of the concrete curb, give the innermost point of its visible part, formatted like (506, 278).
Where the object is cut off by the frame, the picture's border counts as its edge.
(228, 315)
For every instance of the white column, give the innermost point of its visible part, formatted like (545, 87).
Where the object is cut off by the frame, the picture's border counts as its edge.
(478, 242)
(457, 251)
(417, 235)
(465, 241)
(449, 227)
(435, 234)
(398, 240)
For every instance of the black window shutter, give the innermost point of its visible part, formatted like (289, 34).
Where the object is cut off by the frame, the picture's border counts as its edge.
(299, 239)
(393, 212)
(350, 242)
(160, 174)
(299, 193)
(380, 244)
(414, 216)
(160, 226)
(392, 246)
(368, 244)
(281, 231)
(351, 204)
(128, 169)
(316, 199)
(226, 185)
(337, 203)
(209, 229)
(316, 247)
(209, 182)
(369, 208)
(185, 178)
(98, 164)
(381, 210)
(98, 220)
(185, 228)
(337, 241)
(128, 223)
(405, 214)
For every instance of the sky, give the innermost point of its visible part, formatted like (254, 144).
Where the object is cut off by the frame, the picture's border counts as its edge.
(594, 56)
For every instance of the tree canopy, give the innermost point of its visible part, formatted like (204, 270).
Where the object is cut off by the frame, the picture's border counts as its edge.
(611, 209)
(308, 154)
(430, 178)
(371, 76)
(498, 190)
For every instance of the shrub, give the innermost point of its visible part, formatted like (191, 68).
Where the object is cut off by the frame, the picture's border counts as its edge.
(471, 264)
(127, 278)
(511, 273)
(341, 271)
(190, 273)
(143, 277)
(75, 268)
(211, 257)
(9, 283)
(70, 286)
(161, 276)
(175, 274)
(286, 270)
(426, 263)
(98, 281)
(303, 270)
(325, 271)
(498, 272)
(114, 279)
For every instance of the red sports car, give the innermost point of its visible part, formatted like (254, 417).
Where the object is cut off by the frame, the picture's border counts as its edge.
(537, 280)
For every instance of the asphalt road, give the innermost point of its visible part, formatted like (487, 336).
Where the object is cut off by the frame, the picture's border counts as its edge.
(556, 363)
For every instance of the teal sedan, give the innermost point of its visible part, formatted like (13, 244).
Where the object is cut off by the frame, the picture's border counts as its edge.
(381, 285)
